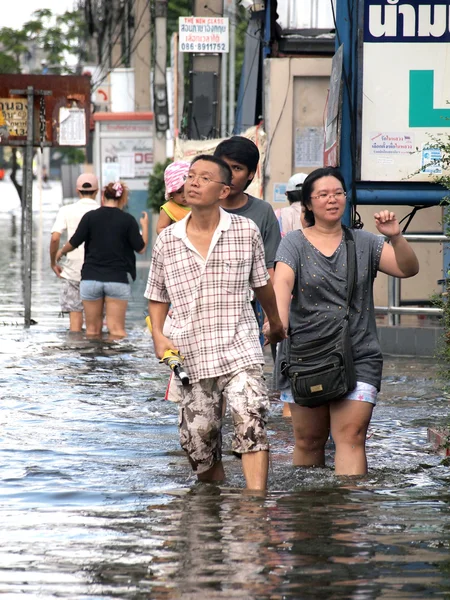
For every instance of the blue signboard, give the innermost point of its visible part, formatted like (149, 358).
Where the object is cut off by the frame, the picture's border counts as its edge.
(407, 21)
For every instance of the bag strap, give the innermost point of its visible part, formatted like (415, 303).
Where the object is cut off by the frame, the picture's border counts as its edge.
(351, 267)
(351, 278)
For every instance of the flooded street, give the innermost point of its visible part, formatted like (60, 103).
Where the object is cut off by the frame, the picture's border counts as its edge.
(97, 499)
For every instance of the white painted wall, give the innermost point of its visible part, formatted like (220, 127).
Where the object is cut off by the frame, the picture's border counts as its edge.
(305, 14)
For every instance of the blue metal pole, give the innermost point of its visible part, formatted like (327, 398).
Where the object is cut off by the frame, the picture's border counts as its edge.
(401, 194)
(347, 149)
(267, 30)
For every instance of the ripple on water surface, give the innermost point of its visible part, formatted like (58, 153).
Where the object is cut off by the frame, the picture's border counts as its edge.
(97, 499)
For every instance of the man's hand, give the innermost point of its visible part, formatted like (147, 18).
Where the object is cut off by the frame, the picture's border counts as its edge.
(161, 343)
(274, 332)
(57, 269)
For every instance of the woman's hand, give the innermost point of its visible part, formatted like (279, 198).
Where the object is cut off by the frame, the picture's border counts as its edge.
(144, 219)
(386, 223)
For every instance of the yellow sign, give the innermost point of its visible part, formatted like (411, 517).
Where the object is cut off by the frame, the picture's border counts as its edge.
(13, 117)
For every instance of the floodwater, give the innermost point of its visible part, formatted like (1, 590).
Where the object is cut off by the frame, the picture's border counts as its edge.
(97, 499)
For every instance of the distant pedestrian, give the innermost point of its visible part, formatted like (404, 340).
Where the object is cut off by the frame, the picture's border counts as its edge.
(67, 220)
(175, 208)
(291, 218)
(45, 183)
(111, 239)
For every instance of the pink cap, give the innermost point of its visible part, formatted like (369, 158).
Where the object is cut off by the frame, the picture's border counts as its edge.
(87, 182)
(174, 176)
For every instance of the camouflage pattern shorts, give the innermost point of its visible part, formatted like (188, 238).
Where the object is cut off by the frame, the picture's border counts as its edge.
(200, 416)
(69, 296)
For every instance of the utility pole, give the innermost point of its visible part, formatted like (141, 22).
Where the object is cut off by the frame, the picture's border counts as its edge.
(112, 13)
(223, 88)
(142, 59)
(205, 65)
(232, 62)
(160, 108)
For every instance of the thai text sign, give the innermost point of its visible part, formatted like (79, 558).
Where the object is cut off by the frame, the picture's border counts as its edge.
(53, 96)
(401, 21)
(13, 117)
(128, 144)
(203, 34)
(405, 101)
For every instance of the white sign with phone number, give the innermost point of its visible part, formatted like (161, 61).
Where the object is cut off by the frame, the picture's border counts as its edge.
(203, 34)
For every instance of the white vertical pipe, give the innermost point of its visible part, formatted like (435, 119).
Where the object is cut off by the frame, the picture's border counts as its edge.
(232, 69)
(223, 94)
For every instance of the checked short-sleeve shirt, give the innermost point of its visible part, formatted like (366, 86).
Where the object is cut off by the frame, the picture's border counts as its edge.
(213, 323)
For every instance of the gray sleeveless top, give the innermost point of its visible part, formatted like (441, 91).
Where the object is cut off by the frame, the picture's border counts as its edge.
(319, 298)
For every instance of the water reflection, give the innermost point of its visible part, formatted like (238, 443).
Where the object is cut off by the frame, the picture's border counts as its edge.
(225, 544)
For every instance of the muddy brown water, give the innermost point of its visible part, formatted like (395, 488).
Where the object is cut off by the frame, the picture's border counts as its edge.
(97, 499)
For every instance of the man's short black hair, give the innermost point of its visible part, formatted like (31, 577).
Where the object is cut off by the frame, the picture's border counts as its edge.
(225, 171)
(240, 149)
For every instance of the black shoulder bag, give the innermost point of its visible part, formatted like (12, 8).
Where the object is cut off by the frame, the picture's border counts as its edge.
(322, 370)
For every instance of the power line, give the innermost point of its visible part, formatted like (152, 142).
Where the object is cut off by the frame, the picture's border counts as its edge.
(104, 50)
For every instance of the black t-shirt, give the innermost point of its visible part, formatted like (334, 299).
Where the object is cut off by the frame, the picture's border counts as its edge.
(111, 237)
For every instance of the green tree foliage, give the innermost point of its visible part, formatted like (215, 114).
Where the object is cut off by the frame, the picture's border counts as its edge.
(176, 9)
(242, 18)
(58, 37)
(156, 186)
(442, 300)
(13, 44)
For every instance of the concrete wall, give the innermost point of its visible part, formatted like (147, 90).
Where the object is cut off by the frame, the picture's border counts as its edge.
(422, 286)
(296, 92)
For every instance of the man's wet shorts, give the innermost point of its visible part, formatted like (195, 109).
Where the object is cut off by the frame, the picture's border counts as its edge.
(94, 290)
(69, 296)
(200, 416)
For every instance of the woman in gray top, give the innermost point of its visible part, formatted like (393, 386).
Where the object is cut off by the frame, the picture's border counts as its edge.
(310, 285)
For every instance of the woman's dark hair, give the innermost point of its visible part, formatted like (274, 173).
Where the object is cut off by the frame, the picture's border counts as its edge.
(307, 189)
(116, 190)
(225, 171)
(240, 149)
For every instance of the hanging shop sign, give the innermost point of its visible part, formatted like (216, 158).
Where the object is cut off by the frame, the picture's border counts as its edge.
(204, 35)
(406, 88)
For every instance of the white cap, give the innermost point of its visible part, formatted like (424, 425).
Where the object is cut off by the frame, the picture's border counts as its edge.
(296, 181)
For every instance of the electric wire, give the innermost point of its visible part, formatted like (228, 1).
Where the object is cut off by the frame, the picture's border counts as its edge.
(131, 48)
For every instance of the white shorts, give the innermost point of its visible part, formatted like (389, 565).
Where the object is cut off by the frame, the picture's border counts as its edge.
(363, 392)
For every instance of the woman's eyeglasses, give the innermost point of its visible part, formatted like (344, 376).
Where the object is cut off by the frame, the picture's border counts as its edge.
(325, 196)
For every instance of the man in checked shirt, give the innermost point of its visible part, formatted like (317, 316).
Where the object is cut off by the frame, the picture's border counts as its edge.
(203, 266)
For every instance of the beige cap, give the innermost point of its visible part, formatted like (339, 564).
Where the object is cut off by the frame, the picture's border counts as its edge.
(87, 182)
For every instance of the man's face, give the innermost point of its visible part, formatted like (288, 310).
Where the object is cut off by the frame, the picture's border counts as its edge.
(241, 175)
(204, 185)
